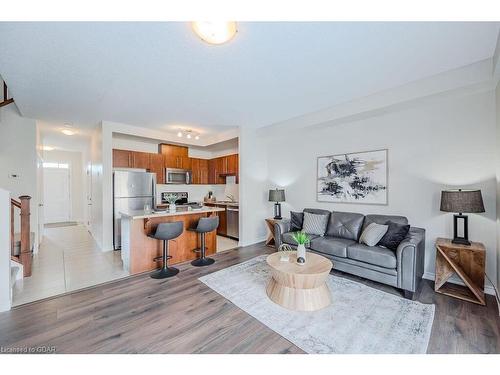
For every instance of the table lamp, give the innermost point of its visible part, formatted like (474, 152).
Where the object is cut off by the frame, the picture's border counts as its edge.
(469, 201)
(277, 196)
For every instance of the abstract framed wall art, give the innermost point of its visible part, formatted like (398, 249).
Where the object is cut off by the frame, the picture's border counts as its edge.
(358, 177)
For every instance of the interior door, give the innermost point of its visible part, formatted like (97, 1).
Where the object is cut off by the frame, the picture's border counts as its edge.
(56, 193)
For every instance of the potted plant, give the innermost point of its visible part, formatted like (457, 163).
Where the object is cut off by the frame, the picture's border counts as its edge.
(302, 240)
(171, 199)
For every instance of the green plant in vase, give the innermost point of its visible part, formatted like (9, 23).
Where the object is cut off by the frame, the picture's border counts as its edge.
(171, 199)
(302, 240)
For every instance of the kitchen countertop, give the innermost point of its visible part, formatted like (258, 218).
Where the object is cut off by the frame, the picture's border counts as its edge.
(232, 204)
(141, 214)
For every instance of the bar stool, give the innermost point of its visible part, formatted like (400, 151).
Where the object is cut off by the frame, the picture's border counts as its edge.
(205, 225)
(166, 232)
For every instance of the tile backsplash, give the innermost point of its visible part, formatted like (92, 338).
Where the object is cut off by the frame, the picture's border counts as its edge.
(198, 192)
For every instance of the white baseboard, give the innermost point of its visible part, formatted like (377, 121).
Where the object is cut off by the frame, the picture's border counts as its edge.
(253, 242)
(488, 289)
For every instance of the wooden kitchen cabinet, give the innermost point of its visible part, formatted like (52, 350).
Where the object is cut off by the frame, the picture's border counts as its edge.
(175, 156)
(157, 165)
(141, 160)
(122, 159)
(199, 168)
(222, 228)
(221, 167)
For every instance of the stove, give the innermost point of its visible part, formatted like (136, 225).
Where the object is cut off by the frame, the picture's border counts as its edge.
(182, 197)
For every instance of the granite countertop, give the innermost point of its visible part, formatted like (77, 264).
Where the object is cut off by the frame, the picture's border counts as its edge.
(223, 203)
(140, 214)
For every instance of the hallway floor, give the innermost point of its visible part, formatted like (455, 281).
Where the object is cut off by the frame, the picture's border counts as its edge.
(68, 259)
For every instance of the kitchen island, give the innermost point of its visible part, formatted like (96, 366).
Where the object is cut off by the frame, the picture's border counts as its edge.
(141, 253)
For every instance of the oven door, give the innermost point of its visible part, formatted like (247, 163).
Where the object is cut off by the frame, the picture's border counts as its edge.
(177, 176)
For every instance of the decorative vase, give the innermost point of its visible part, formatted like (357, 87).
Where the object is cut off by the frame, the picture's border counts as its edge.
(301, 252)
(172, 207)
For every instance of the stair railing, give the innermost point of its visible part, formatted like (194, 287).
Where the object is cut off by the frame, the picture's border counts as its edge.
(25, 255)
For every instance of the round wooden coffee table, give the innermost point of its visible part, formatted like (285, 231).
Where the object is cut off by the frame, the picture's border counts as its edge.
(299, 287)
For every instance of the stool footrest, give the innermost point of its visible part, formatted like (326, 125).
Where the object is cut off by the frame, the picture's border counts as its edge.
(161, 258)
(197, 250)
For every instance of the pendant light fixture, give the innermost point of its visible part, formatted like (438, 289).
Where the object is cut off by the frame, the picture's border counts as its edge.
(215, 32)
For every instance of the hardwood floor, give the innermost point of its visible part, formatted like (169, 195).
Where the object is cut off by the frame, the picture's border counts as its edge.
(182, 315)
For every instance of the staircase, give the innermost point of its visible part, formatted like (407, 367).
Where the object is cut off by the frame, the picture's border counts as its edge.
(21, 249)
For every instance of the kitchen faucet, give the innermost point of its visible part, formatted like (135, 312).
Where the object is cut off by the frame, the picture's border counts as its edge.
(231, 197)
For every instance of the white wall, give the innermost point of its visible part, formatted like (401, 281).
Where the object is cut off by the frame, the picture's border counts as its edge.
(96, 193)
(254, 207)
(18, 156)
(446, 143)
(5, 291)
(77, 179)
(497, 97)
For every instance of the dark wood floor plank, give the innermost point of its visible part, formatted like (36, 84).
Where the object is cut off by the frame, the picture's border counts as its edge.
(182, 315)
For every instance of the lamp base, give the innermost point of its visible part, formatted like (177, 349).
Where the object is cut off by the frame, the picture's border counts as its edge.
(457, 239)
(461, 241)
(277, 211)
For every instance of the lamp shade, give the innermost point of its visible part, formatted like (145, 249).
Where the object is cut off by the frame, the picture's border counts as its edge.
(462, 201)
(276, 195)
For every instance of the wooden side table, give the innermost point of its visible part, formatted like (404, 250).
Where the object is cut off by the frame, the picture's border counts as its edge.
(468, 262)
(271, 241)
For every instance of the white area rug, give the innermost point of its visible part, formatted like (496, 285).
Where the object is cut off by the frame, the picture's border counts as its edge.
(360, 320)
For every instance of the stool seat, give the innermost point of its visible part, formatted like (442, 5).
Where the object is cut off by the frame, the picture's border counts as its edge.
(165, 232)
(204, 225)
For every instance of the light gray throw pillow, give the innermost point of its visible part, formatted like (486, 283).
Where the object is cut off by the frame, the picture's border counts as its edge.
(373, 233)
(315, 224)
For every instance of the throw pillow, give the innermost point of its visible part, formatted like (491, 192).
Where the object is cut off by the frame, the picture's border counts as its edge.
(373, 233)
(396, 233)
(315, 224)
(296, 221)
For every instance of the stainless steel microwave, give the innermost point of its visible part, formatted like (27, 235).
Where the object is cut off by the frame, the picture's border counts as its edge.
(177, 176)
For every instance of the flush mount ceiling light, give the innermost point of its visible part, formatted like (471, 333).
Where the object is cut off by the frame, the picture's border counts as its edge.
(68, 129)
(188, 133)
(67, 132)
(214, 32)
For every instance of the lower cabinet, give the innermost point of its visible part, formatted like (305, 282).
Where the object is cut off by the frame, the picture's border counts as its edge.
(222, 229)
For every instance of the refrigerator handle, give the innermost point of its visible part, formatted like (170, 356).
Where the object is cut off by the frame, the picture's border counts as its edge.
(154, 192)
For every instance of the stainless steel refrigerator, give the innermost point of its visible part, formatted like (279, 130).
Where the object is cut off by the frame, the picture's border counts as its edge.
(131, 191)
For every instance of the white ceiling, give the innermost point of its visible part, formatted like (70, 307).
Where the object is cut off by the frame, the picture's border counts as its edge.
(161, 75)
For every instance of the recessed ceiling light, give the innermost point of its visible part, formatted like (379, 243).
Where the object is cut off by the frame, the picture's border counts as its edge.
(67, 132)
(215, 32)
(47, 148)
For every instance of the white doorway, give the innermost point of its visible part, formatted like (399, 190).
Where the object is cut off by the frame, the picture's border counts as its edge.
(56, 192)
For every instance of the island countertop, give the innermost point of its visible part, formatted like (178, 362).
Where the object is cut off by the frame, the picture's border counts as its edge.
(181, 211)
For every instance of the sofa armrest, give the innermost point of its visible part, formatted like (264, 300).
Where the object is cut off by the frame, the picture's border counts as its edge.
(280, 227)
(410, 256)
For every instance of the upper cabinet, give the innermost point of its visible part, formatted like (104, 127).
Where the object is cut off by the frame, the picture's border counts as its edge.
(220, 168)
(131, 159)
(158, 166)
(204, 171)
(122, 159)
(199, 168)
(175, 156)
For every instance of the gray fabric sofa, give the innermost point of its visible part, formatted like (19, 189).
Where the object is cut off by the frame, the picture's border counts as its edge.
(402, 269)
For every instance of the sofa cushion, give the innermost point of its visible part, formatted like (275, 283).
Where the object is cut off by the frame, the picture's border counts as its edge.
(288, 238)
(383, 219)
(317, 211)
(315, 224)
(378, 256)
(331, 246)
(296, 221)
(373, 233)
(394, 235)
(345, 225)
